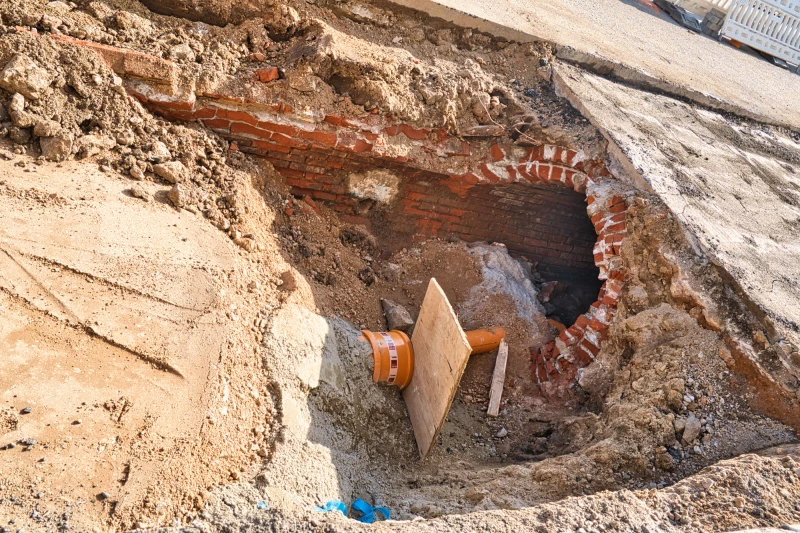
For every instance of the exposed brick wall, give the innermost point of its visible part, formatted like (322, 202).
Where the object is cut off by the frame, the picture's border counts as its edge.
(448, 186)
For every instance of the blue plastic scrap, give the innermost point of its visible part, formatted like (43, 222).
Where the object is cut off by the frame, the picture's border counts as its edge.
(367, 511)
(332, 505)
(262, 505)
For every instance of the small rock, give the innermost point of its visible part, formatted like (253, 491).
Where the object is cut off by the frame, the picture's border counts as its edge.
(28, 442)
(17, 103)
(22, 75)
(26, 410)
(90, 145)
(137, 191)
(179, 195)
(137, 173)
(103, 496)
(247, 244)
(125, 137)
(692, 429)
(46, 128)
(739, 502)
(503, 433)
(183, 53)
(397, 317)
(172, 171)
(159, 153)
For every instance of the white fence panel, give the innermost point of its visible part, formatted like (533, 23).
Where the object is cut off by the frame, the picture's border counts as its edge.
(772, 26)
(702, 7)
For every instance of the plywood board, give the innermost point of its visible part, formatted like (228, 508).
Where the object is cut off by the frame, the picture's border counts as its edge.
(441, 352)
(498, 379)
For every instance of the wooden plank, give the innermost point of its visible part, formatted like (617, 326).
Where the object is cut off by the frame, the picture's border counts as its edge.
(441, 352)
(498, 379)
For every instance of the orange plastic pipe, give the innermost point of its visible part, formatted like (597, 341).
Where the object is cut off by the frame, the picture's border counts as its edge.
(485, 340)
(393, 354)
(393, 357)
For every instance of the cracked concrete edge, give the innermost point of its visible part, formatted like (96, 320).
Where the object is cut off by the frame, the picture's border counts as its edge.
(619, 163)
(594, 63)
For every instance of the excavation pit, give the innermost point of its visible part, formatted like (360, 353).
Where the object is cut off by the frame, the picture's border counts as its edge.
(509, 254)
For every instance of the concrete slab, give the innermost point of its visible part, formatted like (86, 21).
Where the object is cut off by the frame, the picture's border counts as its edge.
(628, 40)
(735, 185)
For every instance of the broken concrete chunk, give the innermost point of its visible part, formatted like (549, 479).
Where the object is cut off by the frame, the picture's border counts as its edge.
(22, 75)
(397, 316)
(57, 147)
(172, 171)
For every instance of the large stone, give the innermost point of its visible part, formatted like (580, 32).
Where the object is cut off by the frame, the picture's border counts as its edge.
(22, 75)
(173, 171)
(397, 317)
(56, 148)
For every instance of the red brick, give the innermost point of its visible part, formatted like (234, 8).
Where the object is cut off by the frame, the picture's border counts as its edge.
(129, 62)
(615, 228)
(266, 75)
(286, 140)
(589, 347)
(205, 112)
(217, 124)
(488, 174)
(618, 208)
(337, 121)
(239, 116)
(271, 146)
(414, 133)
(361, 146)
(291, 131)
(583, 356)
(497, 153)
(246, 129)
(512, 174)
(321, 137)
